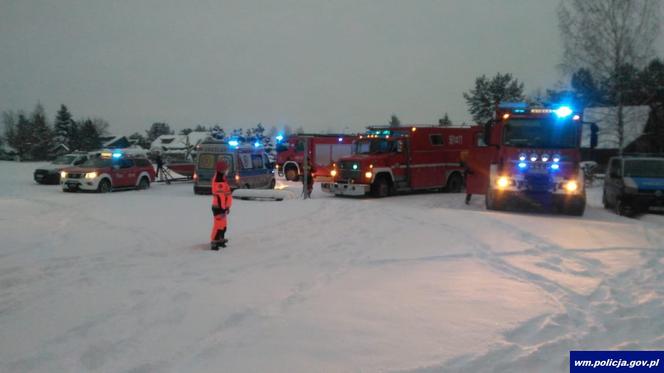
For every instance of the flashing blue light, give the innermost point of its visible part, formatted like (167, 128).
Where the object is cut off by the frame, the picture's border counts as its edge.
(340, 139)
(522, 165)
(563, 111)
(555, 166)
(233, 143)
(279, 137)
(516, 111)
(257, 144)
(117, 155)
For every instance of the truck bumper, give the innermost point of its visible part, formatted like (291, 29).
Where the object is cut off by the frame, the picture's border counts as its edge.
(342, 189)
(538, 199)
(71, 185)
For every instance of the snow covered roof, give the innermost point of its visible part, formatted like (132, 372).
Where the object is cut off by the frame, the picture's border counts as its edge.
(178, 142)
(115, 142)
(635, 118)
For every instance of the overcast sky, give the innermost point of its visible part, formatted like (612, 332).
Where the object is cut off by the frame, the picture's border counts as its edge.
(317, 64)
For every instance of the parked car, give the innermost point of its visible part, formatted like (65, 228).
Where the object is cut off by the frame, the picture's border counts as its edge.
(51, 174)
(108, 172)
(634, 184)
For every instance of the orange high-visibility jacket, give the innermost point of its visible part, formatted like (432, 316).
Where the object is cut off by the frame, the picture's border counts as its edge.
(221, 197)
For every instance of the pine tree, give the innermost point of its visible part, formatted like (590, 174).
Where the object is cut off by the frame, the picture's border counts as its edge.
(394, 121)
(89, 136)
(488, 93)
(140, 140)
(41, 134)
(62, 127)
(445, 121)
(186, 131)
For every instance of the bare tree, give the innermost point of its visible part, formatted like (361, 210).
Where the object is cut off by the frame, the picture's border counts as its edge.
(606, 37)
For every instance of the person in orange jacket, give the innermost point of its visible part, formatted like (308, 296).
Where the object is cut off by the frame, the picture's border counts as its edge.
(221, 206)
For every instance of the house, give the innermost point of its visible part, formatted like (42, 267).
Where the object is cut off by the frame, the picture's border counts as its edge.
(634, 119)
(59, 149)
(178, 146)
(8, 153)
(115, 142)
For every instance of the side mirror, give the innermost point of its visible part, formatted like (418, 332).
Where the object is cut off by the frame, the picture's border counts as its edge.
(487, 132)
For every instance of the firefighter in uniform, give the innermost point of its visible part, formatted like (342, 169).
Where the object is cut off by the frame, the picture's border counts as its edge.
(221, 206)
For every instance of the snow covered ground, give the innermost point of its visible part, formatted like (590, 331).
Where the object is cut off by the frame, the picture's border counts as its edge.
(124, 282)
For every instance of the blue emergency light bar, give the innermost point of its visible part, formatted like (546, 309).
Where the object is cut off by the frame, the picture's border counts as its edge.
(257, 144)
(233, 143)
(117, 155)
(280, 137)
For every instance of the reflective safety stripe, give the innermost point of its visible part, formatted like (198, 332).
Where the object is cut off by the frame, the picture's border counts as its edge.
(452, 164)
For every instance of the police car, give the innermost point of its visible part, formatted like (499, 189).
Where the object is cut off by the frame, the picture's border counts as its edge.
(634, 184)
(109, 171)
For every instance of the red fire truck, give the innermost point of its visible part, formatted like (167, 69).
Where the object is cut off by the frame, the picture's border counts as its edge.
(400, 159)
(531, 156)
(324, 150)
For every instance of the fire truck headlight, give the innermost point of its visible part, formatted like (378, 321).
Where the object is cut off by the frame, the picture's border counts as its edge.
(571, 186)
(545, 157)
(63, 174)
(556, 158)
(533, 157)
(503, 182)
(522, 157)
(333, 173)
(368, 174)
(90, 175)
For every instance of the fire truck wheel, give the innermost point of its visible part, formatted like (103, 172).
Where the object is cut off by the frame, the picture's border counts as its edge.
(380, 187)
(291, 174)
(491, 202)
(454, 183)
(104, 186)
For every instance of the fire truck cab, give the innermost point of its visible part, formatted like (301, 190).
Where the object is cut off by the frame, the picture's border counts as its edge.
(324, 151)
(387, 160)
(529, 155)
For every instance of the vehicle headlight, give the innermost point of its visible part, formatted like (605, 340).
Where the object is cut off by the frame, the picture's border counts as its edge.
(90, 175)
(545, 157)
(368, 174)
(503, 182)
(556, 158)
(522, 157)
(63, 174)
(533, 157)
(571, 186)
(333, 173)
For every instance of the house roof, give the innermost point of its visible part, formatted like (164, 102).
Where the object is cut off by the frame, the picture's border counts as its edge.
(178, 142)
(634, 119)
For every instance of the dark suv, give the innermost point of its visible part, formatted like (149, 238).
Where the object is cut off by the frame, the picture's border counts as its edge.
(634, 184)
(51, 174)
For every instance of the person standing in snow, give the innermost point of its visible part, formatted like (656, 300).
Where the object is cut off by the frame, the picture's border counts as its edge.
(160, 166)
(309, 179)
(221, 206)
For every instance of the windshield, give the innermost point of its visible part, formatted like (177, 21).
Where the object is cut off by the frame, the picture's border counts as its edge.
(540, 133)
(64, 159)
(97, 162)
(374, 146)
(644, 168)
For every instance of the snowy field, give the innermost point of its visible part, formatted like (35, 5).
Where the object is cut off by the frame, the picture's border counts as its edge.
(124, 282)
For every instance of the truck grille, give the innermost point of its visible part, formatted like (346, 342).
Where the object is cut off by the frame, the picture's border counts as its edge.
(538, 182)
(74, 176)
